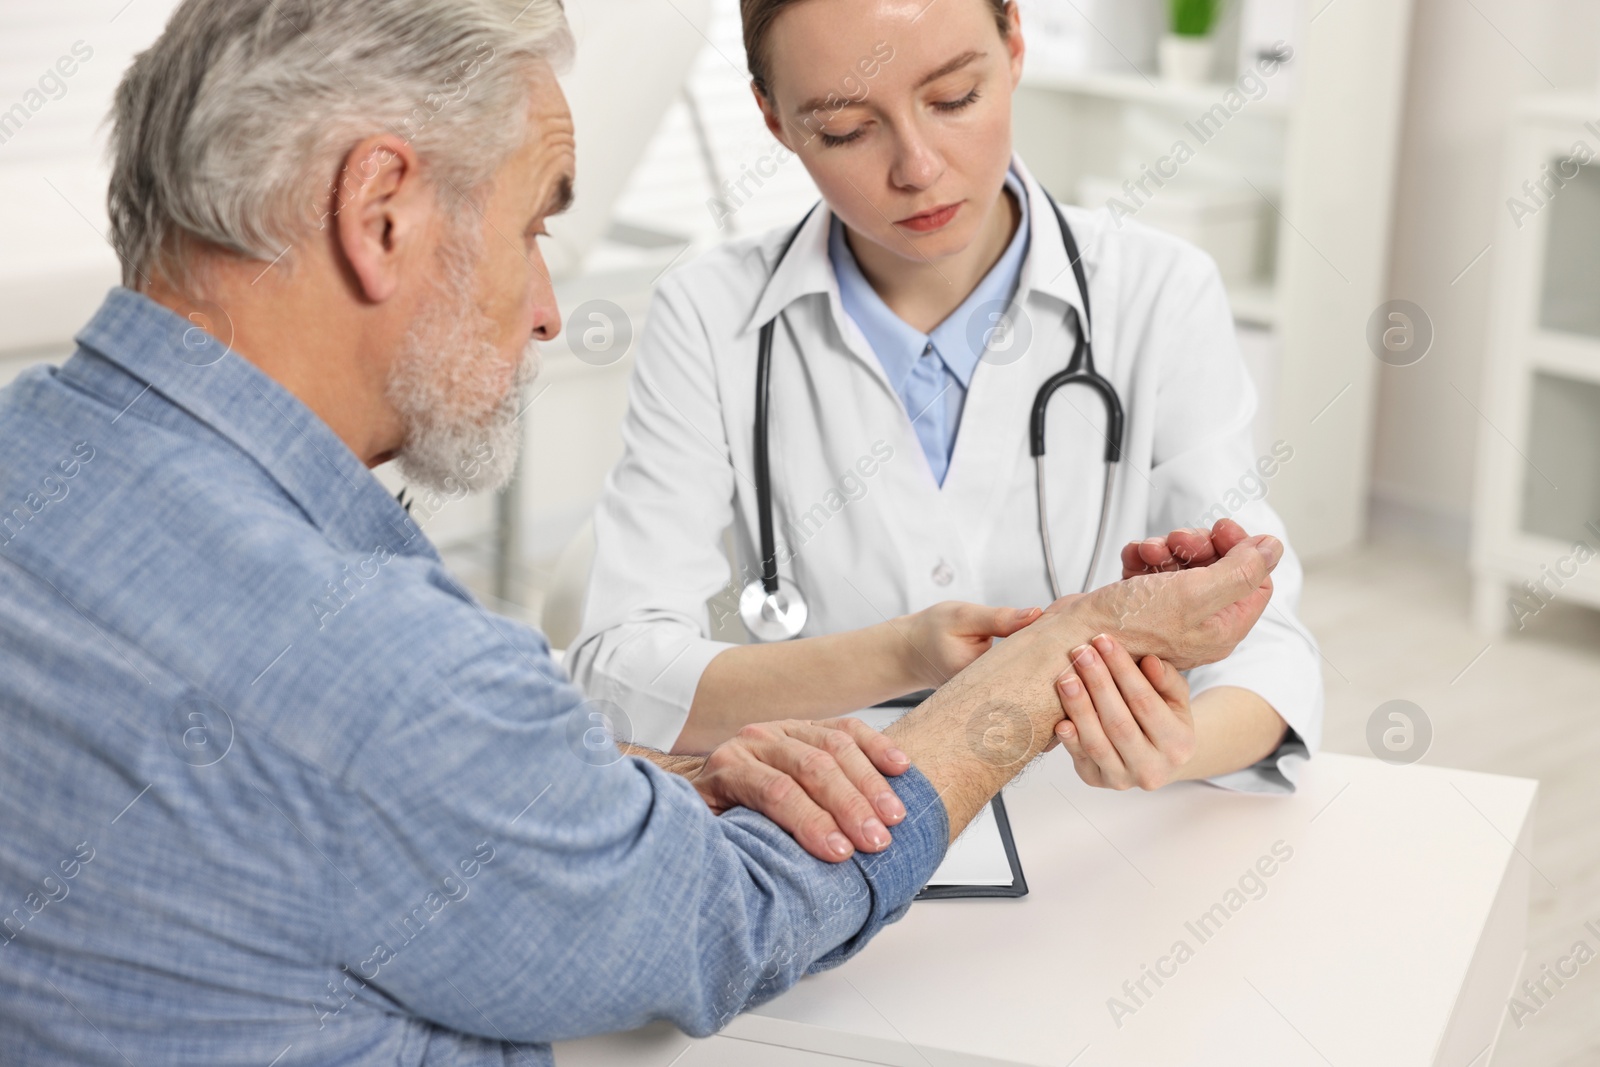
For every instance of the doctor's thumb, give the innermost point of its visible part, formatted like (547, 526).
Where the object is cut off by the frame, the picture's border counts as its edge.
(1008, 621)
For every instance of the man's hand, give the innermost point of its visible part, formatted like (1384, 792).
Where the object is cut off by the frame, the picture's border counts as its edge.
(943, 640)
(1188, 618)
(820, 781)
(1128, 724)
(1181, 549)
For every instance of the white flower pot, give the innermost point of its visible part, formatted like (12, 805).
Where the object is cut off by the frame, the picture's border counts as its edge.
(1187, 60)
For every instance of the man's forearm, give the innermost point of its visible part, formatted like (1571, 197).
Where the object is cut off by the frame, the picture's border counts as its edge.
(979, 731)
(974, 735)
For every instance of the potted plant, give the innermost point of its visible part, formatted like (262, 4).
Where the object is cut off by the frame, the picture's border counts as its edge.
(1188, 52)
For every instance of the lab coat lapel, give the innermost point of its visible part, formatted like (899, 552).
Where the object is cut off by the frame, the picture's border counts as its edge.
(831, 404)
(804, 271)
(845, 398)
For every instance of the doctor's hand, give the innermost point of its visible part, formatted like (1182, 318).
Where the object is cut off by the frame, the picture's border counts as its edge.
(1181, 549)
(943, 640)
(1128, 724)
(821, 781)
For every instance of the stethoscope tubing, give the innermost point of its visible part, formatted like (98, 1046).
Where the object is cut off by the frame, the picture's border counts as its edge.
(769, 552)
(769, 541)
(1080, 371)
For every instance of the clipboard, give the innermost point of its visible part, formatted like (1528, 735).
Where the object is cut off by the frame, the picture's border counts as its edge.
(1018, 886)
(985, 850)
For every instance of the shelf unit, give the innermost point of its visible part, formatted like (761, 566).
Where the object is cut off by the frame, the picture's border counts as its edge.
(1537, 521)
(1323, 158)
(1139, 88)
(1129, 119)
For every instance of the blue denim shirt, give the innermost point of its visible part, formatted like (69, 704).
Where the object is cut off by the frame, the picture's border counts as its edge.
(275, 785)
(949, 355)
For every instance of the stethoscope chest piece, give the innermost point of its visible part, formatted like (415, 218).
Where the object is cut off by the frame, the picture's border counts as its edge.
(775, 616)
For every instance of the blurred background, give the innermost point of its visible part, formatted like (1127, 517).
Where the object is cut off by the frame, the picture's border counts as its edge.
(1404, 198)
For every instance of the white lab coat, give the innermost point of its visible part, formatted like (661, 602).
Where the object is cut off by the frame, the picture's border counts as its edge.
(863, 529)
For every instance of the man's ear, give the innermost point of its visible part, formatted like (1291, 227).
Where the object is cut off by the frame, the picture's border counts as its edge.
(382, 210)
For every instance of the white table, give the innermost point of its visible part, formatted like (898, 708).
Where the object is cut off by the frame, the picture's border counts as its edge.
(1392, 935)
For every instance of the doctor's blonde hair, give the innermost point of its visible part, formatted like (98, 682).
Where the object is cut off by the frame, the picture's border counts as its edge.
(759, 15)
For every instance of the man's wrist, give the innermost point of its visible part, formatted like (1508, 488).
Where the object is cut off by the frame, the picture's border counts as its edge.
(1066, 626)
(1096, 616)
(980, 730)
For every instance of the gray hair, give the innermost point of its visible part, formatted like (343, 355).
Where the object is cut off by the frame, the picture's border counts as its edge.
(230, 129)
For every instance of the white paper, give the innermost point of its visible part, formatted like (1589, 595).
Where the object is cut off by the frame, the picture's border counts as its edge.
(977, 857)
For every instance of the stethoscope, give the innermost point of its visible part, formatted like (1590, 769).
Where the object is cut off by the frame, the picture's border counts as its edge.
(773, 608)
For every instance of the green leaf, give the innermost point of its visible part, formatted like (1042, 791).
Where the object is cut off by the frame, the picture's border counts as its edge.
(1194, 18)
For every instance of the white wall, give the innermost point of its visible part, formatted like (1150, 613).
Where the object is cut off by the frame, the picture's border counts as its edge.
(766, 186)
(55, 262)
(59, 65)
(1470, 60)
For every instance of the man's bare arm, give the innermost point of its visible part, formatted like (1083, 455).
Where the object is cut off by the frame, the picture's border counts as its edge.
(980, 730)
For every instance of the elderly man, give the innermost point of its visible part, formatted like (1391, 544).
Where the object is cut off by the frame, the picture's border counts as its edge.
(277, 790)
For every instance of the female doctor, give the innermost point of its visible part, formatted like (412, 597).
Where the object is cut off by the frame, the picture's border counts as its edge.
(903, 489)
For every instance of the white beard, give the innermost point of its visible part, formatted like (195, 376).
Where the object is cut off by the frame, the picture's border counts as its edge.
(459, 437)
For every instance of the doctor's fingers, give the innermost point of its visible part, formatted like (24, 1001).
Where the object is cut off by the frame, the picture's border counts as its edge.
(1158, 698)
(1144, 764)
(1166, 679)
(963, 619)
(1003, 622)
(1086, 767)
(1093, 756)
(1088, 734)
